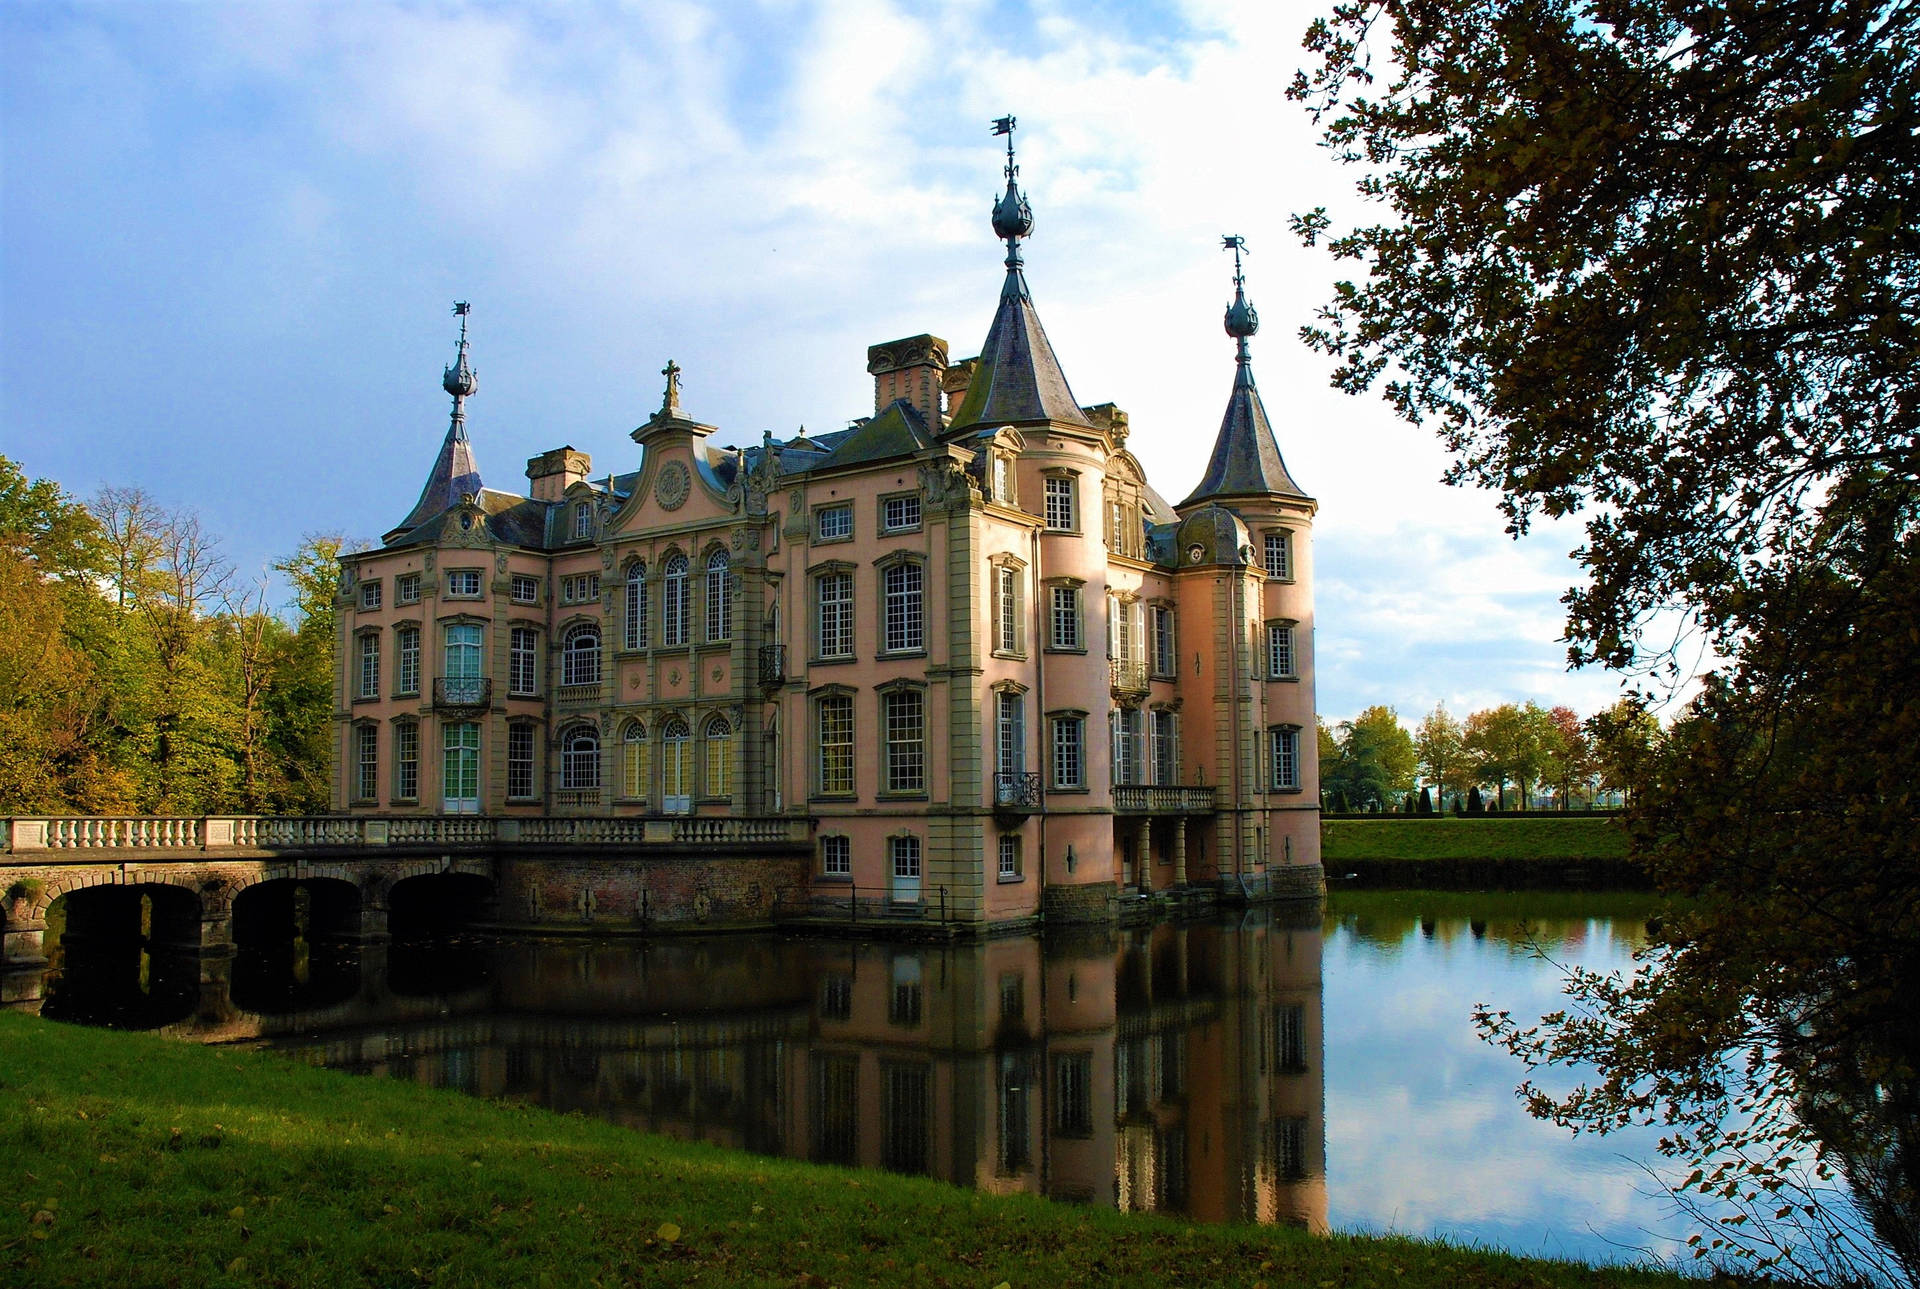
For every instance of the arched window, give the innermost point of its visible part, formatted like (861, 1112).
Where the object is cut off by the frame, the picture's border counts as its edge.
(633, 761)
(719, 598)
(719, 740)
(580, 757)
(636, 605)
(580, 655)
(676, 766)
(675, 623)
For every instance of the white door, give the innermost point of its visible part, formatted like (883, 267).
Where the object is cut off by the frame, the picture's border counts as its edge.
(906, 869)
(460, 778)
(676, 769)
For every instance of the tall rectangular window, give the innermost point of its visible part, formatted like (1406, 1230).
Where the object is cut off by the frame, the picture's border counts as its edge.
(1285, 757)
(1069, 756)
(519, 761)
(1073, 1094)
(1280, 651)
(676, 617)
(905, 852)
(1128, 740)
(1011, 733)
(406, 661)
(369, 666)
(1009, 857)
(1006, 608)
(833, 730)
(836, 856)
(719, 597)
(905, 607)
(1166, 661)
(1064, 619)
(366, 779)
(636, 607)
(406, 761)
(1279, 554)
(582, 520)
(1165, 748)
(833, 604)
(523, 662)
(1060, 508)
(904, 714)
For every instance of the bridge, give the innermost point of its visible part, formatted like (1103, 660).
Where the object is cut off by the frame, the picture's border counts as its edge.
(184, 882)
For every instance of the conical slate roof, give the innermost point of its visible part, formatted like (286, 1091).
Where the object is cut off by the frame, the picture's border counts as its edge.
(1018, 380)
(455, 473)
(1246, 459)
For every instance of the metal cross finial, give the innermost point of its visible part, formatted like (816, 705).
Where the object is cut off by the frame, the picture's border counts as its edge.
(671, 403)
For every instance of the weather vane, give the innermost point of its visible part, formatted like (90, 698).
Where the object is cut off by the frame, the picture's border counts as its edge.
(1012, 216)
(1004, 125)
(1235, 243)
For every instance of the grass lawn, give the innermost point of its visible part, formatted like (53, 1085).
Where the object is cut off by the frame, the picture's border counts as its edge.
(1578, 837)
(135, 1161)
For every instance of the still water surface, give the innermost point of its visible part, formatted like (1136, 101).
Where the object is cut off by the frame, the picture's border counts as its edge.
(1322, 1073)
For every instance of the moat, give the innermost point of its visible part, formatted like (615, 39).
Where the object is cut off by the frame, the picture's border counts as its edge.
(1318, 1070)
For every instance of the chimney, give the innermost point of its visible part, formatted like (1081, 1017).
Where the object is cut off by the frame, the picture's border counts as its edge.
(955, 382)
(552, 473)
(909, 369)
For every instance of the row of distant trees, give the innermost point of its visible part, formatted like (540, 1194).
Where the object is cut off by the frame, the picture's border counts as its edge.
(1498, 758)
(141, 673)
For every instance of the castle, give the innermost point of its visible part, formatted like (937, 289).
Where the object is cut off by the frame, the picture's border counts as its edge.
(962, 650)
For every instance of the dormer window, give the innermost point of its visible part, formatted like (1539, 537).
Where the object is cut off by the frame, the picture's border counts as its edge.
(1001, 478)
(582, 520)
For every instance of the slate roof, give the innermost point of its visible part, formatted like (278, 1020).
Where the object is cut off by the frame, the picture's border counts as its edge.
(1018, 380)
(899, 431)
(1246, 459)
(455, 474)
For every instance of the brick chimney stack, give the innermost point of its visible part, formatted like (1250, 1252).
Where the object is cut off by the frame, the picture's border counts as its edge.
(551, 473)
(909, 369)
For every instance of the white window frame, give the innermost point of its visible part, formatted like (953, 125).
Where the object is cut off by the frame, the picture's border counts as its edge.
(835, 772)
(903, 597)
(676, 611)
(1068, 757)
(635, 626)
(579, 663)
(1062, 504)
(1009, 856)
(370, 594)
(1166, 643)
(1277, 553)
(523, 662)
(582, 520)
(463, 584)
(719, 597)
(1282, 664)
(716, 742)
(903, 728)
(1283, 757)
(406, 761)
(1007, 609)
(904, 852)
(521, 780)
(1063, 620)
(369, 686)
(406, 660)
(524, 582)
(900, 513)
(833, 523)
(406, 588)
(833, 617)
(579, 758)
(366, 778)
(836, 856)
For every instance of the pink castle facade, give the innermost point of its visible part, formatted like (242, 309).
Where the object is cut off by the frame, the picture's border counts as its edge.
(963, 650)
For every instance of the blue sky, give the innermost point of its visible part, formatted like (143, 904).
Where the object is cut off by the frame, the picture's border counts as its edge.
(230, 236)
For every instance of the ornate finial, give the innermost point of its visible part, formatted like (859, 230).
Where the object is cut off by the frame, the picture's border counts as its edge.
(1242, 321)
(1012, 216)
(459, 380)
(670, 405)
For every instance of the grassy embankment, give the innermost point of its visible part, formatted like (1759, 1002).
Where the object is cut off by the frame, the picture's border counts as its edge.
(139, 1161)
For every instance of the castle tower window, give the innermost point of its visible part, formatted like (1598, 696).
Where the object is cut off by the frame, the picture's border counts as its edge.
(1069, 752)
(1280, 660)
(676, 623)
(1166, 660)
(905, 607)
(1278, 554)
(1284, 758)
(1064, 620)
(523, 662)
(719, 741)
(633, 766)
(719, 597)
(406, 661)
(406, 761)
(580, 758)
(580, 655)
(636, 606)
(520, 776)
(1062, 514)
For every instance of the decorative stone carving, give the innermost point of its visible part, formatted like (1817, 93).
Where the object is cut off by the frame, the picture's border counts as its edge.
(500, 562)
(606, 560)
(670, 490)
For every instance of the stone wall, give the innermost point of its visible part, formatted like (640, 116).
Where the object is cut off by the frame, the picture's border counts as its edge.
(578, 892)
(1066, 905)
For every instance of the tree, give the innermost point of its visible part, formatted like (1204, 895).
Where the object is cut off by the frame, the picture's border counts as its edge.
(1372, 761)
(1573, 765)
(1441, 754)
(1623, 739)
(1655, 263)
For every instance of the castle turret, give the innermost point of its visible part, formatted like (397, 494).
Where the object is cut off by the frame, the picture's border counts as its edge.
(455, 473)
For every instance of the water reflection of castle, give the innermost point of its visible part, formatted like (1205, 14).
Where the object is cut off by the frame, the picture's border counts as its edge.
(1175, 1068)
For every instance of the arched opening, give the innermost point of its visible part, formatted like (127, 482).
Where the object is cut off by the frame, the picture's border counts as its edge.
(676, 768)
(719, 744)
(290, 936)
(126, 957)
(437, 905)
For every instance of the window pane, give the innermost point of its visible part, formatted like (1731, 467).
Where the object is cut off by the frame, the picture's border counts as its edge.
(834, 728)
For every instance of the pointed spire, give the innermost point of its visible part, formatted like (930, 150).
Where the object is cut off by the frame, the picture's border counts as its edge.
(455, 473)
(1018, 379)
(1246, 459)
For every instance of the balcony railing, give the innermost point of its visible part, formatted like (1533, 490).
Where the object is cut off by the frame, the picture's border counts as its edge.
(1129, 675)
(104, 836)
(773, 666)
(462, 691)
(572, 694)
(1016, 792)
(1161, 799)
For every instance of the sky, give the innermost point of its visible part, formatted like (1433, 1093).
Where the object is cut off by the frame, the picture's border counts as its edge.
(231, 236)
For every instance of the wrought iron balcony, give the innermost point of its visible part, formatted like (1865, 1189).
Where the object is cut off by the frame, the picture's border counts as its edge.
(462, 691)
(1129, 675)
(773, 666)
(1016, 792)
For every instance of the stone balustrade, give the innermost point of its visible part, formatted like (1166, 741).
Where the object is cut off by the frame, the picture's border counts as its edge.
(92, 838)
(1161, 799)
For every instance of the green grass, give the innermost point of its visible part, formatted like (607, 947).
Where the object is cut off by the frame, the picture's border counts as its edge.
(141, 1161)
(1580, 837)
